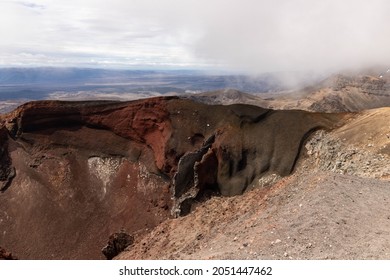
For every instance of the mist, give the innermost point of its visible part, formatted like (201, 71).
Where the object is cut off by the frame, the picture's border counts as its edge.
(303, 35)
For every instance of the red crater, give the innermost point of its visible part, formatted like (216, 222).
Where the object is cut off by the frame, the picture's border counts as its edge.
(75, 173)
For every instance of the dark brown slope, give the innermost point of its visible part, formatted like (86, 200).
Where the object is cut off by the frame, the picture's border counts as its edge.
(75, 172)
(242, 143)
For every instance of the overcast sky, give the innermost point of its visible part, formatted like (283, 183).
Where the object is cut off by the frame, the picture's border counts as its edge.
(236, 35)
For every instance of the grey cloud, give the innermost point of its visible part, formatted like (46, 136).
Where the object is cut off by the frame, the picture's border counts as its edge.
(31, 5)
(246, 35)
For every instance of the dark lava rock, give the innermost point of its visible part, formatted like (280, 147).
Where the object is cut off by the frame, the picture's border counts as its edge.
(7, 171)
(116, 244)
(5, 255)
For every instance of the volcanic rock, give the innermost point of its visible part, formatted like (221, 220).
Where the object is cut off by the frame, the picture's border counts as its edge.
(117, 243)
(7, 171)
(5, 255)
(84, 169)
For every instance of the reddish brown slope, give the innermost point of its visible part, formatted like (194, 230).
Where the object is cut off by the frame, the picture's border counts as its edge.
(83, 171)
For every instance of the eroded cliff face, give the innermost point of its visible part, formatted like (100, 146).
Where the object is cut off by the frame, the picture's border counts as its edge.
(7, 171)
(229, 149)
(83, 172)
(76, 172)
(351, 94)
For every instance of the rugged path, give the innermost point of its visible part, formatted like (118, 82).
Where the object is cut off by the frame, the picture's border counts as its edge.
(318, 215)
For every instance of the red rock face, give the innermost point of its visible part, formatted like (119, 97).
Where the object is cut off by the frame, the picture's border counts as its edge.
(85, 170)
(146, 122)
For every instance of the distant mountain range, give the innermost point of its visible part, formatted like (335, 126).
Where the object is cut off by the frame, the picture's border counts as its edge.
(337, 93)
(48, 75)
(285, 90)
(125, 80)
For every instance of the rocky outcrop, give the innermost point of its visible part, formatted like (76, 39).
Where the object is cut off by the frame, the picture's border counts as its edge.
(328, 153)
(5, 255)
(7, 171)
(86, 169)
(350, 94)
(366, 84)
(191, 176)
(116, 244)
